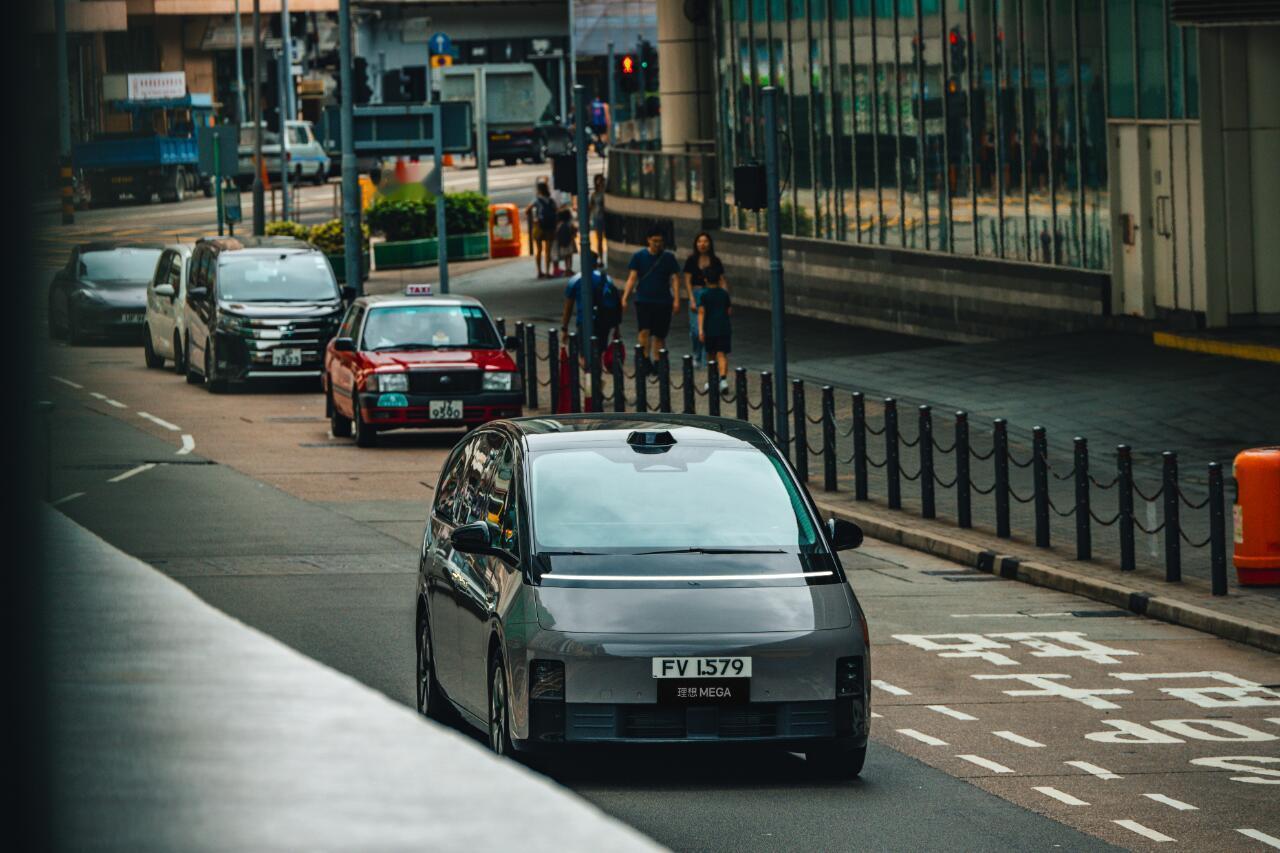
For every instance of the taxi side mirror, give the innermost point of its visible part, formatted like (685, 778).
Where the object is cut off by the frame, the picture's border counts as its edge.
(845, 535)
(511, 342)
(344, 345)
(348, 293)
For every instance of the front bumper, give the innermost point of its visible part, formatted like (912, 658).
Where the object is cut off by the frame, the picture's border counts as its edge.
(241, 357)
(111, 321)
(477, 408)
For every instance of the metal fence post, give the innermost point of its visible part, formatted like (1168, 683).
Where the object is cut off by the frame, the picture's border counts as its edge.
(740, 392)
(799, 432)
(1124, 504)
(1084, 532)
(664, 381)
(642, 393)
(713, 387)
(766, 403)
(859, 446)
(964, 512)
(686, 372)
(501, 323)
(1172, 545)
(553, 369)
(575, 374)
(619, 380)
(1000, 455)
(1040, 482)
(892, 469)
(522, 363)
(530, 344)
(1217, 531)
(928, 506)
(828, 438)
(597, 389)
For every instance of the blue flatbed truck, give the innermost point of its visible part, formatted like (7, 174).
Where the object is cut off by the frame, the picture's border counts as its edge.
(143, 161)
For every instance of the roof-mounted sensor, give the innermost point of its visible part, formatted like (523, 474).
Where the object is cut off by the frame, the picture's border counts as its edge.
(652, 440)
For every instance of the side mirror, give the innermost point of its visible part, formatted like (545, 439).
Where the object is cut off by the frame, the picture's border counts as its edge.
(344, 345)
(471, 538)
(348, 293)
(845, 535)
(511, 342)
(165, 290)
(197, 294)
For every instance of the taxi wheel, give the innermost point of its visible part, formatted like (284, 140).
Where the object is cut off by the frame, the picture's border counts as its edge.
(150, 357)
(838, 761)
(499, 715)
(339, 426)
(365, 435)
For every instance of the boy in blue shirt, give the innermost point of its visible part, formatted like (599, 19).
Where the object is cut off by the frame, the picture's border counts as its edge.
(714, 328)
(655, 280)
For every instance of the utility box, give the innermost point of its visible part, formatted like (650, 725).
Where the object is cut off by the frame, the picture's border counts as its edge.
(1256, 516)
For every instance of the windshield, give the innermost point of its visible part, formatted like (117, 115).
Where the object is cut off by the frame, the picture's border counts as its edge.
(429, 326)
(300, 277)
(690, 497)
(269, 137)
(119, 264)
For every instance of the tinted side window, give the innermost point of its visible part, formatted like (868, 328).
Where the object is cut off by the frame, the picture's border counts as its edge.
(467, 505)
(450, 480)
(504, 511)
(175, 271)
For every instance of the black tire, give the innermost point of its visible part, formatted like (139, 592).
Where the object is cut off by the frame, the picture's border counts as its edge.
(837, 761)
(365, 435)
(320, 178)
(179, 355)
(499, 714)
(176, 190)
(193, 378)
(339, 426)
(431, 700)
(540, 154)
(216, 384)
(150, 357)
(509, 161)
(76, 336)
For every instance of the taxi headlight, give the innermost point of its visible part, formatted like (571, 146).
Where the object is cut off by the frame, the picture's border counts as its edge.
(499, 381)
(388, 382)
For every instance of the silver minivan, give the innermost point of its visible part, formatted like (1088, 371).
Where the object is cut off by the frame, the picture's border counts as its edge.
(165, 324)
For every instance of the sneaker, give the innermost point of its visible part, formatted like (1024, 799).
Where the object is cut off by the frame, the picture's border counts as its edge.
(706, 386)
(724, 385)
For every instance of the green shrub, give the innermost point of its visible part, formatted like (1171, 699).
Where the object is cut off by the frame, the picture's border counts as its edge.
(466, 213)
(287, 228)
(797, 221)
(328, 237)
(401, 220)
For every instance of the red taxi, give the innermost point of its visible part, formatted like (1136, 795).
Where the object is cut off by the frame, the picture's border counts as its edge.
(417, 361)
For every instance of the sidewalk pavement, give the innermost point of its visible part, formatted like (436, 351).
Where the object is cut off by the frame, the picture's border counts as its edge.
(176, 727)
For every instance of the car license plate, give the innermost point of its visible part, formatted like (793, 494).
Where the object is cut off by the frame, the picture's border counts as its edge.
(445, 410)
(500, 137)
(286, 358)
(702, 667)
(133, 318)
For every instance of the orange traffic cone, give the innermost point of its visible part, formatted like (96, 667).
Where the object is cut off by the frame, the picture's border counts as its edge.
(448, 159)
(402, 171)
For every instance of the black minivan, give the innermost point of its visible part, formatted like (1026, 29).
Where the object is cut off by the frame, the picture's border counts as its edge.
(259, 308)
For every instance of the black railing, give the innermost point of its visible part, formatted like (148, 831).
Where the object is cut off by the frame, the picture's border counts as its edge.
(683, 176)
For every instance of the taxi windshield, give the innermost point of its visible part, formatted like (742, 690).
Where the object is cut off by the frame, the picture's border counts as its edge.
(429, 327)
(298, 277)
(690, 497)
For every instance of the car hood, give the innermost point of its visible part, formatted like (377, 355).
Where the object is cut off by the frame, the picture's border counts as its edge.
(116, 292)
(443, 358)
(689, 608)
(283, 310)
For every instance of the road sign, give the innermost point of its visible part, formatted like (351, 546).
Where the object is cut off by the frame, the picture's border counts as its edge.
(441, 60)
(404, 129)
(439, 43)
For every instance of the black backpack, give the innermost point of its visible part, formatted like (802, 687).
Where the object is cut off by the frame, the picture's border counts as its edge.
(546, 210)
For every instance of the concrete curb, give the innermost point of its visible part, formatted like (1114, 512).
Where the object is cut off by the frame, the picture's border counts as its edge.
(1131, 598)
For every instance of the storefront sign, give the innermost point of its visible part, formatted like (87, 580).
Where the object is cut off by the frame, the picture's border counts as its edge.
(160, 84)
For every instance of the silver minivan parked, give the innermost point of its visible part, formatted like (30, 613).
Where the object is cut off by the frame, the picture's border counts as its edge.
(165, 333)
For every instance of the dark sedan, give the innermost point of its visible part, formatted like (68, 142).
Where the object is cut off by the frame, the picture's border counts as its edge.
(102, 291)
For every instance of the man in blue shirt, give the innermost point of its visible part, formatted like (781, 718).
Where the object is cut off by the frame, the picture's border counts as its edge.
(604, 306)
(655, 280)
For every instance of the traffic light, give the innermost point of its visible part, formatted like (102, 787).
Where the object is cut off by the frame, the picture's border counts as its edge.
(956, 43)
(628, 80)
(649, 64)
(360, 79)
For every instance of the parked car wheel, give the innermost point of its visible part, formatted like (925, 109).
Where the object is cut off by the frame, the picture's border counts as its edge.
(150, 357)
(76, 335)
(193, 378)
(365, 435)
(179, 355)
(339, 426)
(499, 715)
(216, 384)
(431, 702)
(57, 330)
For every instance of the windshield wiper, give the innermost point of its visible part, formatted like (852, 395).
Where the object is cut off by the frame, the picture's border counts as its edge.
(390, 347)
(571, 554)
(698, 550)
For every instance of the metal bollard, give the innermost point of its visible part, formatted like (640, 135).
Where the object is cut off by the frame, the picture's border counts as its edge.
(1172, 544)
(686, 371)
(522, 366)
(597, 388)
(859, 446)
(892, 467)
(619, 381)
(1040, 482)
(740, 392)
(1084, 532)
(766, 403)
(642, 393)
(713, 387)
(1217, 531)
(1124, 503)
(1000, 454)
(799, 430)
(531, 365)
(928, 506)
(828, 438)
(575, 374)
(964, 510)
(553, 369)
(664, 381)
(501, 322)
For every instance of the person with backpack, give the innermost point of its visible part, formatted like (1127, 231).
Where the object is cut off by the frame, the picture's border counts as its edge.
(715, 330)
(606, 307)
(542, 210)
(566, 241)
(654, 277)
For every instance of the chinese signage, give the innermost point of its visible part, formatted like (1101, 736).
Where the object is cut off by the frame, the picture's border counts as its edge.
(158, 84)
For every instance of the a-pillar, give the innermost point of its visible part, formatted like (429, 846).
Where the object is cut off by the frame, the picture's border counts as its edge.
(684, 73)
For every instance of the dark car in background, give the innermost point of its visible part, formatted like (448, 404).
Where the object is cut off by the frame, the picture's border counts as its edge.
(102, 291)
(258, 308)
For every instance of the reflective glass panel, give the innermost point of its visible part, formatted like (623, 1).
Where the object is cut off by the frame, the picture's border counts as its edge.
(1119, 57)
(1095, 221)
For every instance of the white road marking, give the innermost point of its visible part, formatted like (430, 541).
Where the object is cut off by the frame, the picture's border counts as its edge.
(1134, 826)
(889, 688)
(1100, 772)
(110, 402)
(188, 445)
(1170, 801)
(985, 763)
(131, 472)
(1260, 836)
(988, 616)
(1060, 796)
(67, 498)
(1018, 739)
(922, 737)
(951, 712)
(67, 382)
(876, 716)
(159, 421)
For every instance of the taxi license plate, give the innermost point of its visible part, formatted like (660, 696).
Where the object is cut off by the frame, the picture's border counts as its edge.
(286, 358)
(445, 410)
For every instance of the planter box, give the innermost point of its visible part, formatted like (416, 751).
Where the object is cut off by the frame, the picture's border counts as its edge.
(339, 264)
(468, 247)
(406, 254)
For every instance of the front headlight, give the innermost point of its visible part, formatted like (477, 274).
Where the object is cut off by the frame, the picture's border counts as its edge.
(387, 382)
(499, 381)
(233, 323)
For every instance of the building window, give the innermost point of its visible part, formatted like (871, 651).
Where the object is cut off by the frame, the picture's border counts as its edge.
(1153, 71)
(1120, 59)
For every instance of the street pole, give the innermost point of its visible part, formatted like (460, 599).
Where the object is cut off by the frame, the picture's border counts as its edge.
(482, 128)
(584, 222)
(776, 302)
(613, 95)
(437, 144)
(285, 164)
(350, 187)
(573, 50)
(636, 113)
(259, 204)
(64, 115)
(217, 174)
(287, 46)
(241, 114)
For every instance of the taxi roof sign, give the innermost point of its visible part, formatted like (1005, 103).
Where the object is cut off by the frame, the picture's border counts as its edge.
(417, 290)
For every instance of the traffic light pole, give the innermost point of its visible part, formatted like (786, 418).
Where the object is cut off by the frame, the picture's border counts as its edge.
(64, 114)
(482, 128)
(776, 301)
(636, 113)
(259, 204)
(613, 94)
(584, 222)
(350, 187)
(442, 237)
(283, 111)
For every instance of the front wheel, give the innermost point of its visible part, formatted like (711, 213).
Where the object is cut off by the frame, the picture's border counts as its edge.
(431, 702)
(837, 761)
(499, 716)
(215, 384)
(339, 426)
(150, 357)
(365, 435)
(193, 378)
(179, 355)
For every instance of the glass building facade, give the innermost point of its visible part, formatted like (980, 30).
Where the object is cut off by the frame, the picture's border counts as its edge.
(974, 127)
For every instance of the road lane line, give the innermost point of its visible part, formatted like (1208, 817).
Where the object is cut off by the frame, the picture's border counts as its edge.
(1018, 739)
(131, 472)
(951, 712)
(922, 737)
(67, 382)
(1260, 836)
(1100, 772)
(1170, 801)
(988, 616)
(985, 763)
(67, 498)
(110, 402)
(876, 716)
(188, 445)
(1134, 826)
(889, 688)
(159, 421)
(1060, 796)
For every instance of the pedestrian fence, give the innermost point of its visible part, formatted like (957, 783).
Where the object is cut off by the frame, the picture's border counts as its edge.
(849, 446)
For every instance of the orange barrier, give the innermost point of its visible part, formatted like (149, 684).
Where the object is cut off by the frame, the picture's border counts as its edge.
(1257, 516)
(504, 231)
